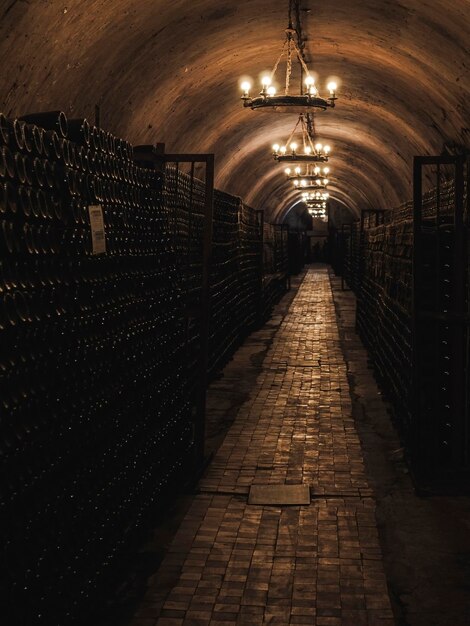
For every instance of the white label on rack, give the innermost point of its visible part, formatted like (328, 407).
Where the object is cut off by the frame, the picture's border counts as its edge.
(97, 229)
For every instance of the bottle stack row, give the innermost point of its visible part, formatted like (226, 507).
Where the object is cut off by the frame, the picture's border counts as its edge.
(413, 304)
(384, 305)
(235, 280)
(101, 261)
(275, 264)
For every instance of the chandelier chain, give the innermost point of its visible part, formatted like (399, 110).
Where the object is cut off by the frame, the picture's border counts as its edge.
(289, 62)
(298, 27)
(276, 65)
(299, 121)
(311, 130)
(300, 57)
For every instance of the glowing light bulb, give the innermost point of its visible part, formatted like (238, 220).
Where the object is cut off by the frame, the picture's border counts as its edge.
(293, 146)
(327, 149)
(287, 171)
(271, 91)
(318, 181)
(332, 87)
(266, 81)
(316, 170)
(326, 170)
(309, 81)
(276, 147)
(297, 170)
(325, 181)
(303, 183)
(296, 183)
(283, 149)
(318, 147)
(307, 149)
(327, 195)
(245, 86)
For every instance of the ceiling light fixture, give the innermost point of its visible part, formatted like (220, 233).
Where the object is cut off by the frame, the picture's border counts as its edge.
(304, 150)
(315, 196)
(306, 97)
(310, 178)
(318, 212)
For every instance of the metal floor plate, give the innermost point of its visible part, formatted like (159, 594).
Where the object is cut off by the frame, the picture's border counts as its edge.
(279, 494)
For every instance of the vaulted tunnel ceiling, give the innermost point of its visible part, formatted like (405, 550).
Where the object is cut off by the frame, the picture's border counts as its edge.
(169, 72)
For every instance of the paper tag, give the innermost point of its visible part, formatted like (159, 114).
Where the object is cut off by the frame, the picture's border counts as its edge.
(97, 229)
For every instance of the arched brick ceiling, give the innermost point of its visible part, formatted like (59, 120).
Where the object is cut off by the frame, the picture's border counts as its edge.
(169, 71)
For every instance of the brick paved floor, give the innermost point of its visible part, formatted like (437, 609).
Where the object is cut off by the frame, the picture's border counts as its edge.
(235, 563)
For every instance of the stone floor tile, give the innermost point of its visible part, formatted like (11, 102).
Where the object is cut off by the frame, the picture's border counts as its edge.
(319, 564)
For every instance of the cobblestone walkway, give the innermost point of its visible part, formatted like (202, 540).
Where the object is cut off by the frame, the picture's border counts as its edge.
(236, 563)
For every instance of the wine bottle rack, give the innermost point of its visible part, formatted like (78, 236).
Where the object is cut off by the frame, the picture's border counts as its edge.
(275, 265)
(90, 441)
(101, 351)
(412, 288)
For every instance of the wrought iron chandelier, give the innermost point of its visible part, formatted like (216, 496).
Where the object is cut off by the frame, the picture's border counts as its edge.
(306, 150)
(310, 173)
(306, 97)
(312, 178)
(318, 209)
(316, 205)
(315, 196)
(319, 212)
(305, 184)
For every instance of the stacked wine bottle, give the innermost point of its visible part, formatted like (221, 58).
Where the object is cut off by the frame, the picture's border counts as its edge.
(276, 265)
(96, 419)
(100, 273)
(418, 340)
